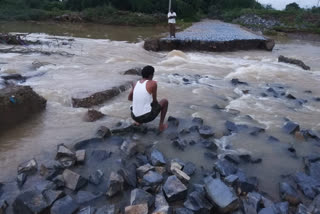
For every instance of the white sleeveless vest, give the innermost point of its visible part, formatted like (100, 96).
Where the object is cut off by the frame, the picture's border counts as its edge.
(141, 99)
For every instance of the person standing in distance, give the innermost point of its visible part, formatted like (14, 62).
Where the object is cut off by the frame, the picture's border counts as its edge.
(172, 23)
(145, 106)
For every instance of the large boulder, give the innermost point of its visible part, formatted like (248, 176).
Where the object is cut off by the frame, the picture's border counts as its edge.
(198, 203)
(293, 61)
(99, 97)
(221, 195)
(17, 103)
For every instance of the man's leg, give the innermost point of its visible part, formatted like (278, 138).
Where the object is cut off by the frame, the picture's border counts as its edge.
(164, 108)
(171, 29)
(174, 30)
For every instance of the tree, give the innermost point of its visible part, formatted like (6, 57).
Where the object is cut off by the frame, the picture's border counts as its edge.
(293, 6)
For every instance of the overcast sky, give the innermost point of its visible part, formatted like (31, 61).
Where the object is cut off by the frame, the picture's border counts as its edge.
(281, 4)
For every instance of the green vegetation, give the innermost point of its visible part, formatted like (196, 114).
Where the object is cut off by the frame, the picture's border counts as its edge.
(143, 12)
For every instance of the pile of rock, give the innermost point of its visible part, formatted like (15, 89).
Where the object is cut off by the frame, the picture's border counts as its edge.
(256, 22)
(18, 103)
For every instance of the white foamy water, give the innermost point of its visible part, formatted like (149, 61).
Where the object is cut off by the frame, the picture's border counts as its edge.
(193, 83)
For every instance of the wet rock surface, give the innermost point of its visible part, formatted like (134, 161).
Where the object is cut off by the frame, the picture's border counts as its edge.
(18, 103)
(211, 36)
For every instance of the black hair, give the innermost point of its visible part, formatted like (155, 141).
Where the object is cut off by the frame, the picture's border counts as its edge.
(147, 71)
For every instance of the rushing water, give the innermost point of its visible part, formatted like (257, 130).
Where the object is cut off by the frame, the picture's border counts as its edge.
(99, 63)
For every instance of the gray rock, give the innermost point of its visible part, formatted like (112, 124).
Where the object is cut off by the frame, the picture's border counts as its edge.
(221, 195)
(96, 177)
(161, 204)
(288, 193)
(139, 196)
(30, 202)
(198, 203)
(137, 209)
(115, 184)
(238, 82)
(314, 170)
(152, 178)
(100, 155)
(87, 210)
(103, 132)
(197, 120)
(307, 184)
(211, 155)
(232, 158)
(157, 158)
(3, 206)
(64, 151)
(107, 210)
(293, 61)
(181, 175)
(85, 197)
(142, 170)
(246, 184)
(81, 156)
(206, 131)
(52, 195)
(28, 167)
(209, 145)
(189, 168)
(231, 179)
(173, 121)
(174, 189)
(129, 175)
(65, 205)
(282, 207)
(183, 211)
(290, 127)
(93, 115)
(314, 207)
(133, 71)
(59, 181)
(179, 143)
(225, 168)
(21, 179)
(302, 209)
(65, 156)
(129, 148)
(268, 210)
(73, 180)
(251, 203)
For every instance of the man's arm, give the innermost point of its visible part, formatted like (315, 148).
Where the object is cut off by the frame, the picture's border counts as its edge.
(154, 88)
(130, 97)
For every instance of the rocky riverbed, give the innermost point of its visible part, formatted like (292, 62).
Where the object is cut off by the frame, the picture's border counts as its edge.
(117, 171)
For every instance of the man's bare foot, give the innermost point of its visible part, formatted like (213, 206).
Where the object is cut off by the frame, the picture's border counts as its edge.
(137, 124)
(163, 127)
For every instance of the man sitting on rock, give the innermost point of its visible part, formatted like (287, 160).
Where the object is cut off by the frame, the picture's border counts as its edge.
(145, 106)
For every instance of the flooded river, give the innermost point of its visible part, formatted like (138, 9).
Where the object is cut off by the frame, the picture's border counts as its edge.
(193, 82)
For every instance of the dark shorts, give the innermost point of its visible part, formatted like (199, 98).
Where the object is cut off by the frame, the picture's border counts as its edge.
(148, 117)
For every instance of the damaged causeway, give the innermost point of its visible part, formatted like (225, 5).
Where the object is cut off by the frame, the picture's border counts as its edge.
(211, 35)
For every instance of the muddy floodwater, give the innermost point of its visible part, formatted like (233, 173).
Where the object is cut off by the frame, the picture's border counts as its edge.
(195, 83)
